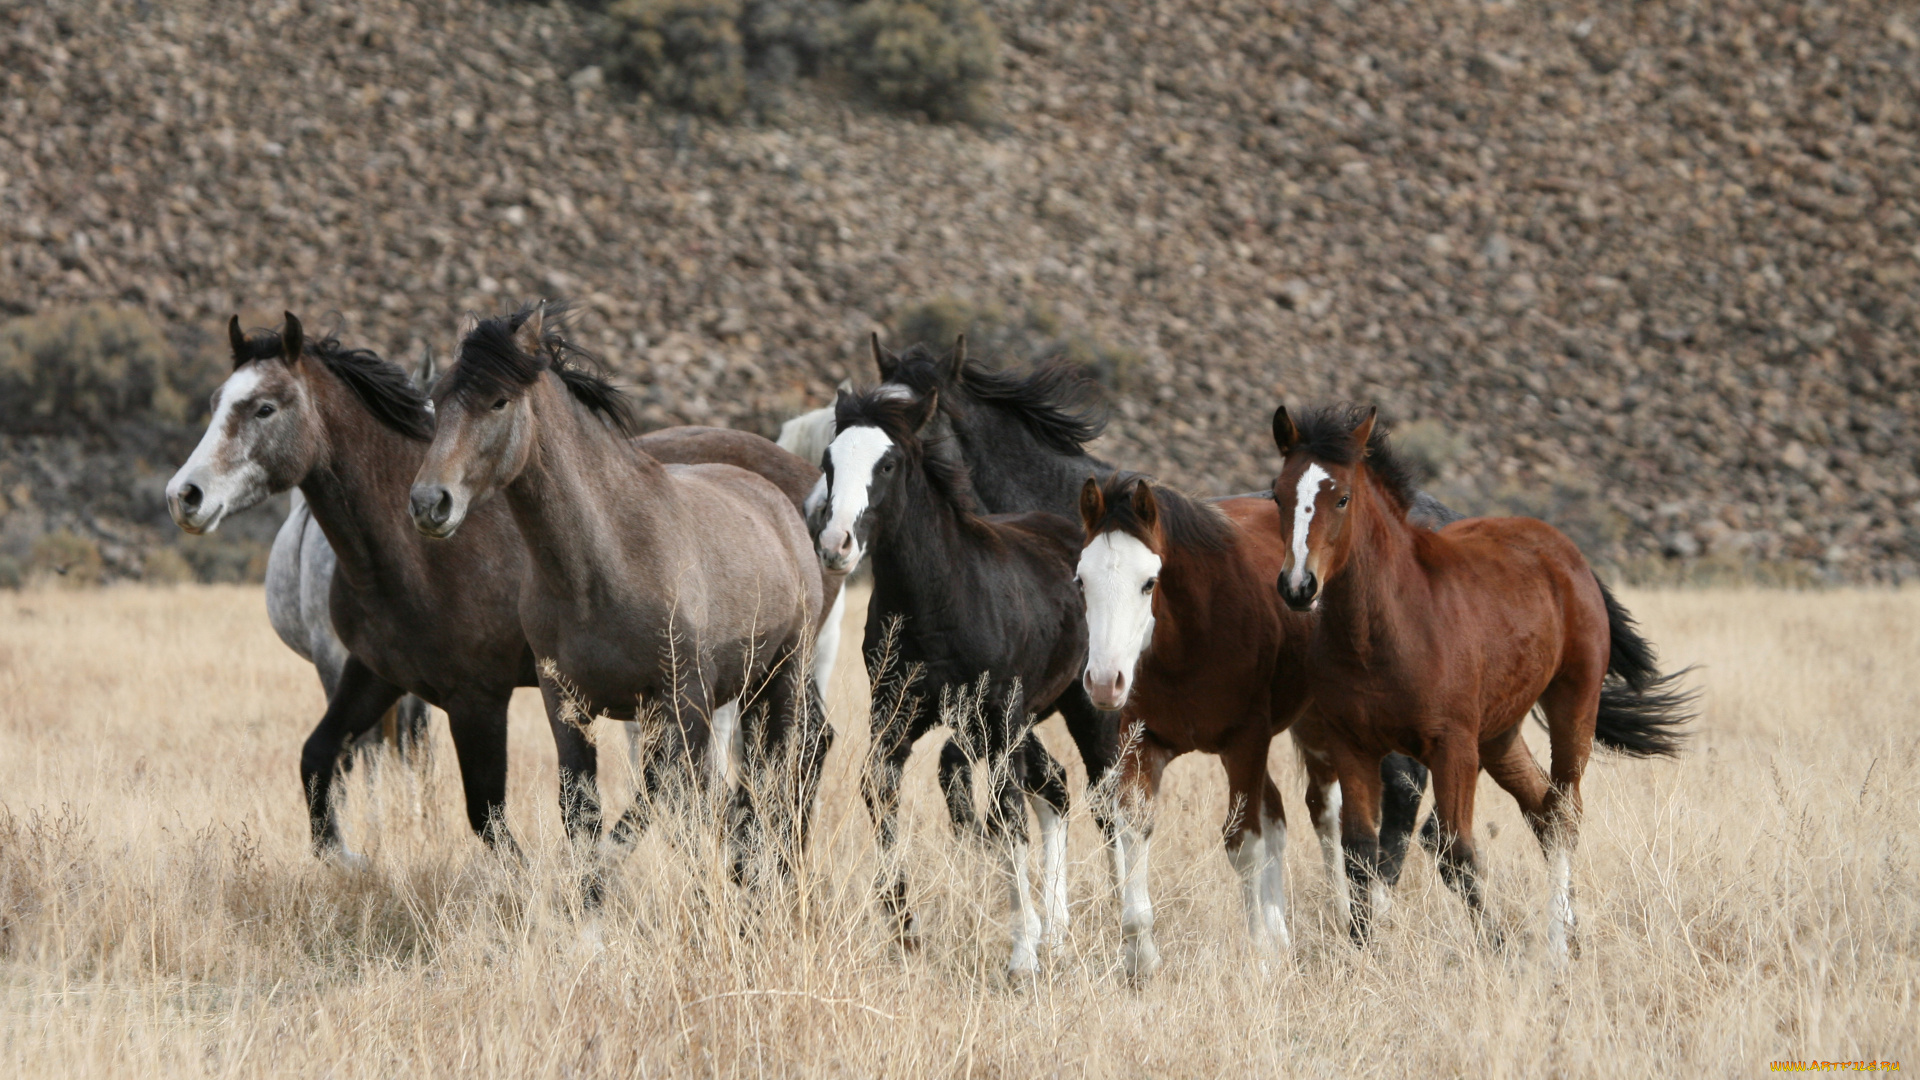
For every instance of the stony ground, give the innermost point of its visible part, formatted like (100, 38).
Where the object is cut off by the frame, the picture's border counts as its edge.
(1649, 267)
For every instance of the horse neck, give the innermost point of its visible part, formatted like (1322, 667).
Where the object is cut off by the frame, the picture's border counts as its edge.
(1014, 472)
(358, 490)
(917, 546)
(1377, 584)
(575, 500)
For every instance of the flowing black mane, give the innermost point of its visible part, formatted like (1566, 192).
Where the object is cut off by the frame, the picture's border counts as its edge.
(897, 417)
(1326, 432)
(491, 363)
(1057, 403)
(382, 387)
(1185, 521)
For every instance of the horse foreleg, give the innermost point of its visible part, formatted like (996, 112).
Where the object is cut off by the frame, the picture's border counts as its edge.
(781, 763)
(1456, 770)
(1096, 734)
(1273, 881)
(1403, 781)
(1360, 840)
(880, 789)
(1046, 786)
(479, 732)
(1141, 763)
(358, 701)
(1245, 836)
(1323, 807)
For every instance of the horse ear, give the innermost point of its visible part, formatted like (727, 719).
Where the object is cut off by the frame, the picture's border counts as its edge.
(424, 375)
(954, 362)
(292, 338)
(1145, 506)
(530, 336)
(1363, 434)
(236, 340)
(1093, 504)
(1285, 435)
(882, 359)
(928, 409)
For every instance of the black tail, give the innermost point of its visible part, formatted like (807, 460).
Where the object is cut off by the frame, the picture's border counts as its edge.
(1642, 712)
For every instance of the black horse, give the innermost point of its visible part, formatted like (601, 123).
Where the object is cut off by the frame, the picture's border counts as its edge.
(975, 622)
(1023, 436)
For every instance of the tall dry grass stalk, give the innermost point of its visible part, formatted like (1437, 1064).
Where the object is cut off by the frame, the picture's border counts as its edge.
(1757, 899)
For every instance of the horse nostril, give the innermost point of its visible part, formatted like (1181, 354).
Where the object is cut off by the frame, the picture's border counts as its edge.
(190, 496)
(443, 509)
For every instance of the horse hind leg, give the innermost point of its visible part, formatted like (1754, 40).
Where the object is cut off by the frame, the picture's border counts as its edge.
(1571, 710)
(1403, 781)
(1096, 734)
(1007, 825)
(358, 701)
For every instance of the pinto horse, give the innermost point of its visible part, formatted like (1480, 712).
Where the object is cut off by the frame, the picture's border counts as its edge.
(654, 592)
(1438, 644)
(979, 610)
(1187, 641)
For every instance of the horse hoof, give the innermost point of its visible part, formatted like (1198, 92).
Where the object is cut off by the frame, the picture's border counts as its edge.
(347, 859)
(908, 934)
(1024, 967)
(1140, 961)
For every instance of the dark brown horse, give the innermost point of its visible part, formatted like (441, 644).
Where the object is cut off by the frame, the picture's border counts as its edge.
(1438, 644)
(655, 591)
(440, 620)
(1187, 641)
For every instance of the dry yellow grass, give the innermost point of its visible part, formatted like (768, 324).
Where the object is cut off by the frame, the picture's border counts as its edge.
(159, 913)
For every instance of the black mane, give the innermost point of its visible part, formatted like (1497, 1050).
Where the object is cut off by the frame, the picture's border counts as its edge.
(1326, 433)
(937, 457)
(1185, 521)
(492, 364)
(382, 387)
(1057, 403)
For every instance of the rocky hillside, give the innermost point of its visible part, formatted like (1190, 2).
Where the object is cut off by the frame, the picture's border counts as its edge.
(1647, 268)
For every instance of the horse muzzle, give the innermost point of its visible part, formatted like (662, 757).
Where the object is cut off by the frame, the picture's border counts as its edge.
(1108, 691)
(192, 510)
(838, 551)
(432, 508)
(1301, 597)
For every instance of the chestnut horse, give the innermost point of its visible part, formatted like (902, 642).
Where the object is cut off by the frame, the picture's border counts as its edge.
(1185, 638)
(1438, 644)
(654, 592)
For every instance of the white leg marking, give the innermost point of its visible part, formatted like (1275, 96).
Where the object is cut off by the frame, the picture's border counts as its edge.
(1327, 825)
(1273, 882)
(1140, 955)
(1249, 858)
(1379, 898)
(1021, 914)
(826, 646)
(1560, 906)
(1053, 876)
(725, 747)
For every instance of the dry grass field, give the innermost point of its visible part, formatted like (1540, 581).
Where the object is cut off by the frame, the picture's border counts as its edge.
(1756, 899)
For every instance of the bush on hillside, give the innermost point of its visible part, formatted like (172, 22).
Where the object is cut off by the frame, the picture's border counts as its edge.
(688, 53)
(938, 56)
(91, 367)
(995, 336)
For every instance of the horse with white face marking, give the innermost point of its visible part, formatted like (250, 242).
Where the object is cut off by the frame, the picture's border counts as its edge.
(1186, 640)
(654, 592)
(985, 611)
(1438, 644)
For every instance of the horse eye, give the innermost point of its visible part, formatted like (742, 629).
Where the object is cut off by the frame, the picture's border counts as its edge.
(886, 466)
(501, 404)
(265, 410)
(1342, 504)
(1151, 582)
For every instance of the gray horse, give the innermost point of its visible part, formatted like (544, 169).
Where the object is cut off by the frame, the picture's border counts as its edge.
(299, 581)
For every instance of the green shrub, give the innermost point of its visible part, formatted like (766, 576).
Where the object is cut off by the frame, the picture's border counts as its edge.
(12, 574)
(995, 336)
(72, 559)
(689, 53)
(166, 566)
(935, 55)
(1428, 445)
(92, 367)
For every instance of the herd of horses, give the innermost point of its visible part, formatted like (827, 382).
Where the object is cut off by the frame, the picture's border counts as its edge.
(500, 524)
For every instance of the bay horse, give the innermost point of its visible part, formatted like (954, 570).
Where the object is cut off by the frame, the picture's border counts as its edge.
(1438, 645)
(439, 620)
(655, 592)
(1024, 435)
(974, 622)
(1187, 641)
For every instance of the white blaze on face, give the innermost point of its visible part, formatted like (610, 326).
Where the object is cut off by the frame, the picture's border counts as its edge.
(1304, 497)
(204, 468)
(854, 454)
(1114, 571)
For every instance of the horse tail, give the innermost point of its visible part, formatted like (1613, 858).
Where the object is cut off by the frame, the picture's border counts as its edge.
(1642, 712)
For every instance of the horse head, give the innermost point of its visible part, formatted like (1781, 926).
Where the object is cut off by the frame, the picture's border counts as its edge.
(1119, 577)
(1324, 455)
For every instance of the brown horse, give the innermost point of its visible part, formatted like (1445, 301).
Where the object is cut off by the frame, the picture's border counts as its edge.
(667, 589)
(440, 620)
(1438, 644)
(1185, 638)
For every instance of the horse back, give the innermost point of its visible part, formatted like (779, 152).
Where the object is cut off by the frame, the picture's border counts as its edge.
(1040, 532)
(728, 446)
(1520, 574)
